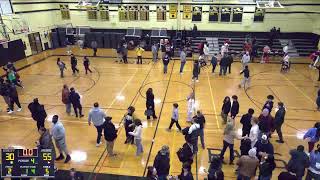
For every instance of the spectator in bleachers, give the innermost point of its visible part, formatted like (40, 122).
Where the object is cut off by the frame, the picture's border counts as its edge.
(265, 54)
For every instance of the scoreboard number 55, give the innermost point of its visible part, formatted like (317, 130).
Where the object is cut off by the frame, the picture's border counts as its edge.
(46, 156)
(9, 156)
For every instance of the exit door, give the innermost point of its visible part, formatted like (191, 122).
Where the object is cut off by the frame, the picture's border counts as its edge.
(35, 43)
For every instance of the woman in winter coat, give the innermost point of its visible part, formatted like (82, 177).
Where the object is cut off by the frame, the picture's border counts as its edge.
(162, 163)
(137, 136)
(65, 98)
(110, 134)
(267, 165)
(129, 125)
(45, 141)
(225, 109)
(150, 104)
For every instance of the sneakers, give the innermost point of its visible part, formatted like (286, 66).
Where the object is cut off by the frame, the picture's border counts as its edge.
(67, 159)
(10, 112)
(279, 141)
(81, 115)
(19, 109)
(60, 157)
(168, 129)
(98, 144)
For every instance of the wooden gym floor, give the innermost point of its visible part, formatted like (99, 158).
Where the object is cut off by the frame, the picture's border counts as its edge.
(117, 86)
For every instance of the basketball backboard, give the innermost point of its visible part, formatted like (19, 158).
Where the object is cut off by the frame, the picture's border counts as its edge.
(268, 4)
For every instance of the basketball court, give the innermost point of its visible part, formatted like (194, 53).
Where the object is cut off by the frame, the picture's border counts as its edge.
(117, 86)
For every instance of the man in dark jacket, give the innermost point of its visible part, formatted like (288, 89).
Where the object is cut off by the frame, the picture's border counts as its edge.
(74, 63)
(200, 119)
(110, 134)
(223, 65)
(264, 147)
(75, 101)
(162, 163)
(278, 121)
(246, 122)
(14, 98)
(230, 61)
(38, 112)
(234, 107)
(187, 151)
(214, 62)
(4, 92)
(299, 161)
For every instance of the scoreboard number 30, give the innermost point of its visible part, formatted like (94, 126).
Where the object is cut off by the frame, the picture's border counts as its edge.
(46, 156)
(9, 156)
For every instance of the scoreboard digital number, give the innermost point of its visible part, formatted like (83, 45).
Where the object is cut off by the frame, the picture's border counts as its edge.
(27, 163)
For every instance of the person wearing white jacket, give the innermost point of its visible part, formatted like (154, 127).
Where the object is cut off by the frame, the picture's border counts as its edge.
(254, 131)
(194, 130)
(58, 134)
(206, 52)
(245, 59)
(137, 136)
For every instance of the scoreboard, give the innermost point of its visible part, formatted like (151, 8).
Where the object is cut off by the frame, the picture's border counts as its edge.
(27, 163)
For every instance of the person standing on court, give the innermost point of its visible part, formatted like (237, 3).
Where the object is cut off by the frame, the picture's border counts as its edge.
(201, 121)
(86, 64)
(278, 121)
(175, 117)
(75, 101)
(96, 116)
(214, 62)
(162, 162)
(38, 112)
(246, 122)
(246, 78)
(110, 135)
(166, 60)
(65, 98)
(269, 103)
(298, 162)
(154, 50)
(62, 67)
(45, 141)
(74, 63)
(150, 104)
(129, 118)
(192, 134)
(247, 165)
(94, 46)
(4, 92)
(245, 59)
(312, 137)
(137, 136)
(196, 71)
(223, 65)
(139, 51)
(230, 61)
(14, 98)
(183, 58)
(59, 136)
(234, 107)
(225, 109)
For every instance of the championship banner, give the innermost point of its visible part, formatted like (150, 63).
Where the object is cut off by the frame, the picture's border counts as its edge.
(187, 10)
(104, 12)
(196, 13)
(173, 8)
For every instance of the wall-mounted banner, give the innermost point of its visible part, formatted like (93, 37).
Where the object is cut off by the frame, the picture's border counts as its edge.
(173, 8)
(104, 12)
(196, 13)
(187, 11)
(161, 13)
(144, 12)
(214, 14)
(123, 13)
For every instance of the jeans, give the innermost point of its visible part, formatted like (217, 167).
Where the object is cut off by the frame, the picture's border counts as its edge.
(223, 70)
(265, 178)
(87, 68)
(311, 146)
(99, 131)
(139, 60)
(139, 147)
(14, 100)
(125, 59)
(74, 69)
(95, 51)
(176, 122)
(225, 146)
(182, 66)
(229, 68)
(165, 69)
(201, 134)
(40, 123)
(241, 177)
(279, 132)
(213, 67)
(110, 145)
(311, 175)
(68, 108)
(61, 73)
(154, 56)
(75, 108)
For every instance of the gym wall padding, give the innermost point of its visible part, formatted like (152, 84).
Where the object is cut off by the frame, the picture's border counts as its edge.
(55, 40)
(13, 53)
(99, 38)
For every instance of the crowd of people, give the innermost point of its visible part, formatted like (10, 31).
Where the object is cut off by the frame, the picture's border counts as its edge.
(256, 149)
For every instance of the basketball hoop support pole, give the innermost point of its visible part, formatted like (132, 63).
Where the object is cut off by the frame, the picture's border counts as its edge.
(4, 28)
